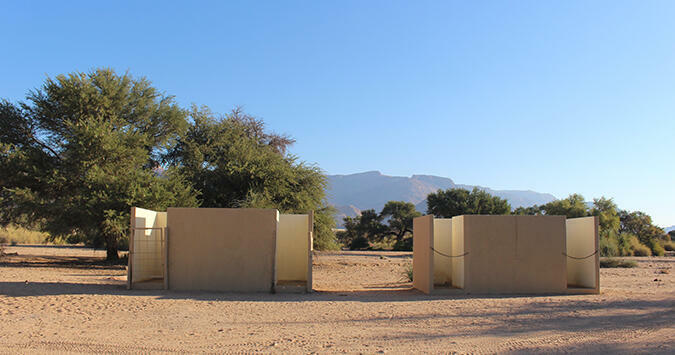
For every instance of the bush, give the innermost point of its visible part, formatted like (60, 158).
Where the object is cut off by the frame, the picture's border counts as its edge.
(17, 235)
(359, 243)
(404, 245)
(656, 247)
(629, 245)
(609, 246)
(611, 263)
(640, 249)
(669, 245)
(408, 272)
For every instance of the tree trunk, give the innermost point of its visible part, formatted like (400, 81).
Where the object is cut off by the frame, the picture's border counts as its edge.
(111, 248)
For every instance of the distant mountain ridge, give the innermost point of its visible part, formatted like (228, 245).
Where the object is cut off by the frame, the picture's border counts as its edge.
(352, 193)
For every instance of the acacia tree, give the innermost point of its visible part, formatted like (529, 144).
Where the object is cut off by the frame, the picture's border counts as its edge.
(361, 230)
(82, 150)
(455, 202)
(233, 162)
(399, 216)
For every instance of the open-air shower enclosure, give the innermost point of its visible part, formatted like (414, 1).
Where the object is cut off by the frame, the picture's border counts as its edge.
(220, 249)
(506, 254)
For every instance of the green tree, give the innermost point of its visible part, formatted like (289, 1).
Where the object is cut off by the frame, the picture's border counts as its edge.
(528, 211)
(83, 149)
(233, 162)
(640, 225)
(361, 231)
(608, 215)
(455, 202)
(573, 206)
(399, 216)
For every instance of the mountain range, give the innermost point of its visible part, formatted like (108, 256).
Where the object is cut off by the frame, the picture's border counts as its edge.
(352, 193)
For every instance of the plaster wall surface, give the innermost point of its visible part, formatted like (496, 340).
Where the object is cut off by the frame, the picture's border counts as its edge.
(513, 254)
(442, 244)
(540, 262)
(292, 247)
(147, 257)
(458, 249)
(582, 240)
(423, 259)
(489, 266)
(222, 249)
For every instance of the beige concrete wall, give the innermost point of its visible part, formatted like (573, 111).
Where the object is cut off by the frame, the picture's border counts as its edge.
(423, 259)
(147, 252)
(582, 241)
(222, 249)
(541, 265)
(442, 244)
(458, 249)
(490, 242)
(293, 247)
(512, 254)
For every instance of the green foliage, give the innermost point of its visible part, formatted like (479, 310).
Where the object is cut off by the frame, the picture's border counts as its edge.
(395, 221)
(83, 150)
(656, 248)
(527, 211)
(399, 216)
(609, 246)
(361, 230)
(233, 162)
(608, 215)
(408, 272)
(640, 225)
(614, 263)
(18, 235)
(572, 207)
(455, 202)
(324, 222)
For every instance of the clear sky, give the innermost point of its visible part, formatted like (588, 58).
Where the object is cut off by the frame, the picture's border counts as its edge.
(558, 97)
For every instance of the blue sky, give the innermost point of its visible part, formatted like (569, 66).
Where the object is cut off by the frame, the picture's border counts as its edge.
(559, 97)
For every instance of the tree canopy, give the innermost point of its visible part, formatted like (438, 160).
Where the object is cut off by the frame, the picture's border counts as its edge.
(233, 162)
(394, 221)
(621, 232)
(85, 147)
(455, 202)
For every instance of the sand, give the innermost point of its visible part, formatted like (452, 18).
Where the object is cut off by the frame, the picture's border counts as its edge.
(64, 300)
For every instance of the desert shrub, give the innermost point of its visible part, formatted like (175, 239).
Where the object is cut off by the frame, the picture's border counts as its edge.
(609, 246)
(17, 235)
(408, 272)
(669, 245)
(404, 244)
(656, 248)
(359, 243)
(640, 249)
(612, 263)
(629, 245)
(3, 240)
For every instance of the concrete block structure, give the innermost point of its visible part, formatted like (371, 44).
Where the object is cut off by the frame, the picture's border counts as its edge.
(220, 249)
(486, 254)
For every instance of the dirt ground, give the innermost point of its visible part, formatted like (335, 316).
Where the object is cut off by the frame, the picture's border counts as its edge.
(64, 300)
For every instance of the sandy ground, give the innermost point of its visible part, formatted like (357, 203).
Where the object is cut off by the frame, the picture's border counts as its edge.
(64, 300)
